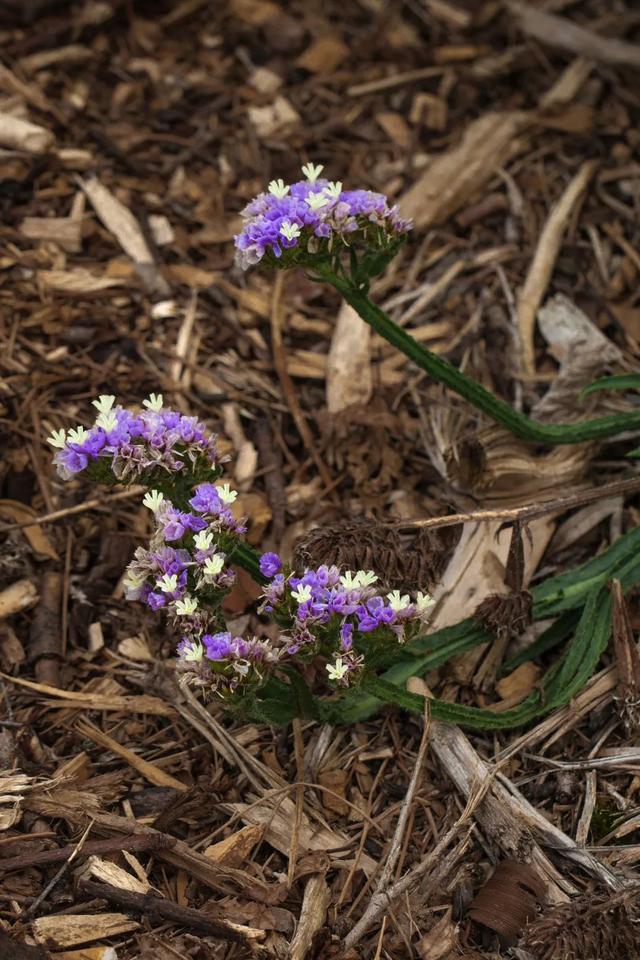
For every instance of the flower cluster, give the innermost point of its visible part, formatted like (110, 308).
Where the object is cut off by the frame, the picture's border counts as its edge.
(186, 579)
(134, 445)
(337, 615)
(338, 618)
(314, 215)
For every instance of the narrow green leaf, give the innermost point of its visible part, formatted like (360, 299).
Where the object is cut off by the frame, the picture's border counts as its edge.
(623, 381)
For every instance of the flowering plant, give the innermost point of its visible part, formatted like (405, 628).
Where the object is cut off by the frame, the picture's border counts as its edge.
(324, 617)
(346, 237)
(323, 622)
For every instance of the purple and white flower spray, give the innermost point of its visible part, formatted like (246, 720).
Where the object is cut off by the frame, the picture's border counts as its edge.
(314, 218)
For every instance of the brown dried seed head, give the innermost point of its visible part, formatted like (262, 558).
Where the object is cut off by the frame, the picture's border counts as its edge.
(401, 563)
(589, 927)
(510, 613)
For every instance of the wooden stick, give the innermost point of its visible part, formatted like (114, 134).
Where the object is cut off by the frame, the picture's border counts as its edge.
(530, 510)
(140, 842)
(153, 907)
(78, 508)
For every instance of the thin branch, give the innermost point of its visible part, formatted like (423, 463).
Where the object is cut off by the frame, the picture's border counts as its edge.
(530, 510)
(92, 504)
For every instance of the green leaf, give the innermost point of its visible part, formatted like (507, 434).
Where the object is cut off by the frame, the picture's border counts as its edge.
(581, 595)
(550, 638)
(623, 381)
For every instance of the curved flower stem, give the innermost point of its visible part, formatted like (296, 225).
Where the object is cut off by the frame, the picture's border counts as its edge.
(444, 372)
(247, 558)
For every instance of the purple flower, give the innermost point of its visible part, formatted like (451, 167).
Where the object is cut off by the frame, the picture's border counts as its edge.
(373, 614)
(270, 563)
(70, 461)
(206, 499)
(218, 646)
(156, 599)
(137, 444)
(296, 218)
(346, 637)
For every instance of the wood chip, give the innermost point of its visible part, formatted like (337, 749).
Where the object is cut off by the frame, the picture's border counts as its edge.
(277, 117)
(395, 128)
(78, 282)
(560, 32)
(454, 177)
(119, 220)
(313, 915)
(19, 134)
(236, 848)
(38, 538)
(111, 873)
(68, 931)
(73, 53)
(324, 55)
(61, 230)
(19, 596)
(544, 259)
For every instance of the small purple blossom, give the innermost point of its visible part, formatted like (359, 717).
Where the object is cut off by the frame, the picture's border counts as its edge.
(218, 645)
(270, 564)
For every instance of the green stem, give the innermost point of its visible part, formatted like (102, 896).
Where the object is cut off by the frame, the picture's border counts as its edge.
(247, 558)
(444, 372)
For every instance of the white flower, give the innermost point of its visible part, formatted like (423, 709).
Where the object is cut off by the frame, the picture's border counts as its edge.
(312, 171)
(79, 435)
(132, 585)
(226, 494)
(104, 403)
(213, 565)
(302, 594)
(334, 189)
(186, 606)
(397, 602)
(348, 581)
(364, 578)
(317, 201)
(168, 583)
(203, 540)
(337, 670)
(57, 439)
(423, 602)
(278, 189)
(152, 500)
(154, 402)
(289, 230)
(193, 651)
(108, 421)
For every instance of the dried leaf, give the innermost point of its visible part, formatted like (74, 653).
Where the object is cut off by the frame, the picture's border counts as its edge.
(509, 899)
(440, 941)
(348, 370)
